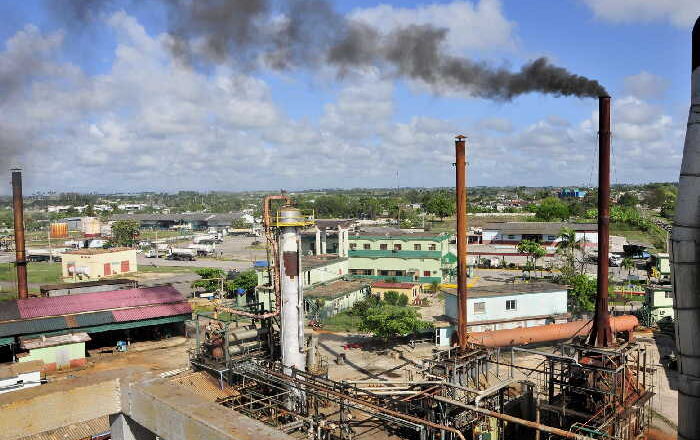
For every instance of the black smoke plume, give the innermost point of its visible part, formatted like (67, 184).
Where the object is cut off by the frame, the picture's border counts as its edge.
(291, 34)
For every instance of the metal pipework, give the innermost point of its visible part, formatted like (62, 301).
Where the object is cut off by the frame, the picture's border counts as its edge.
(547, 333)
(512, 419)
(274, 269)
(601, 334)
(20, 252)
(461, 191)
(685, 264)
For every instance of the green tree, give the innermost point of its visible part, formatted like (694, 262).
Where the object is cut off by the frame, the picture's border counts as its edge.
(387, 321)
(534, 252)
(628, 264)
(551, 209)
(582, 292)
(361, 307)
(440, 204)
(247, 281)
(395, 298)
(211, 279)
(628, 199)
(124, 233)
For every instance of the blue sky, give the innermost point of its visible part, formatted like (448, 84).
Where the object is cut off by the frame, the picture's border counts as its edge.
(102, 105)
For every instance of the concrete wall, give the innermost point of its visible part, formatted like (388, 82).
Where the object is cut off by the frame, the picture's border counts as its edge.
(407, 244)
(527, 307)
(29, 380)
(58, 357)
(660, 302)
(412, 294)
(61, 403)
(325, 273)
(419, 265)
(336, 305)
(93, 265)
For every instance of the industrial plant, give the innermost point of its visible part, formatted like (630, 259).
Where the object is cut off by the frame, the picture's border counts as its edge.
(256, 364)
(597, 385)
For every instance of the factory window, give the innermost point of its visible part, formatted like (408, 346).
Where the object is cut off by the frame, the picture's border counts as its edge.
(383, 246)
(510, 304)
(432, 247)
(416, 247)
(551, 237)
(426, 273)
(669, 294)
(366, 246)
(353, 246)
(397, 247)
(384, 273)
(480, 307)
(511, 237)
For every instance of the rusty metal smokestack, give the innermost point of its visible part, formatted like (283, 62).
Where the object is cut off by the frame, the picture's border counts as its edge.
(601, 333)
(461, 190)
(20, 253)
(685, 262)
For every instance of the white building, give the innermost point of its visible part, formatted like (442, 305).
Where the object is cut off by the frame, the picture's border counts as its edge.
(545, 233)
(505, 306)
(17, 376)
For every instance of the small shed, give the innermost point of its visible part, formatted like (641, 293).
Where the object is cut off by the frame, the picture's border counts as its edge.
(56, 352)
(326, 300)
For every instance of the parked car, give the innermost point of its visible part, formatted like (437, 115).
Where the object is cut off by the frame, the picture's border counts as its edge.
(614, 260)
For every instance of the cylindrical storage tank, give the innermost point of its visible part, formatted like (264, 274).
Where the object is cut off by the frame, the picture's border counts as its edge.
(292, 313)
(547, 333)
(59, 230)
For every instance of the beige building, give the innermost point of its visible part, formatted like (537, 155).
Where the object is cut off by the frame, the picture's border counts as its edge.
(92, 264)
(413, 291)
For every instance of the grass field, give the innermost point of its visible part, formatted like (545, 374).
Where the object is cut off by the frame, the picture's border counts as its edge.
(37, 273)
(342, 322)
(657, 240)
(166, 269)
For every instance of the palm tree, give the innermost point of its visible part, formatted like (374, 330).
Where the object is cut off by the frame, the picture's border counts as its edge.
(567, 246)
(628, 264)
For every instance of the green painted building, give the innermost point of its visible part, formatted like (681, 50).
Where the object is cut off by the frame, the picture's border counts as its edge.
(659, 300)
(384, 254)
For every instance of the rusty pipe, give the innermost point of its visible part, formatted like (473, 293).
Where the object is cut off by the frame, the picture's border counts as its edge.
(547, 333)
(377, 408)
(601, 334)
(461, 194)
(20, 251)
(512, 419)
(274, 270)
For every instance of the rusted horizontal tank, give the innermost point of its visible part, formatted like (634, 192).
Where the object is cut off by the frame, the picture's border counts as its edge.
(547, 333)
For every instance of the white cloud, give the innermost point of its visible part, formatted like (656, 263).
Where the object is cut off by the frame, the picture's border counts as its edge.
(645, 85)
(478, 25)
(680, 13)
(151, 123)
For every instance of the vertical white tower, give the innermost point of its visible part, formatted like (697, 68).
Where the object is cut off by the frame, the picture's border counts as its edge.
(685, 262)
(292, 312)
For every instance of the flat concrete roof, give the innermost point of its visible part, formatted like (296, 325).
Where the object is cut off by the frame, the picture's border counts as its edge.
(508, 289)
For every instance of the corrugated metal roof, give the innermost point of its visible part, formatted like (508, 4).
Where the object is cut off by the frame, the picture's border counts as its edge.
(85, 302)
(134, 324)
(9, 310)
(203, 384)
(32, 326)
(152, 312)
(6, 341)
(97, 318)
(74, 431)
